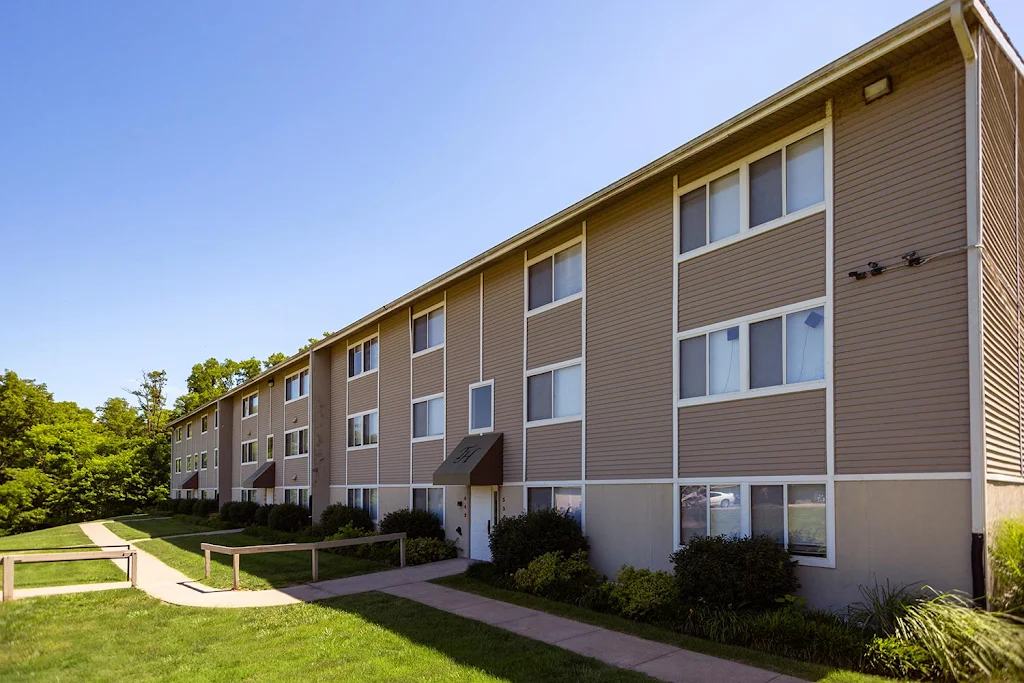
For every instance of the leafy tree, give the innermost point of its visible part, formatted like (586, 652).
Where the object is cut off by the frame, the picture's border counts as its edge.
(23, 404)
(118, 417)
(274, 359)
(314, 340)
(213, 378)
(151, 398)
(22, 500)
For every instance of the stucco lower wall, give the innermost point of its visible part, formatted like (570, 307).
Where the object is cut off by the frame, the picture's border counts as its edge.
(913, 532)
(456, 516)
(1003, 500)
(511, 500)
(391, 498)
(629, 524)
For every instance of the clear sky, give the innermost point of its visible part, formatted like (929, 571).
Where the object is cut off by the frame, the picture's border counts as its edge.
(187, 179)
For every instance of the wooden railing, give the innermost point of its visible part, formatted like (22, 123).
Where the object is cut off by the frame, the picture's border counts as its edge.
(238, 551)
(8, 562)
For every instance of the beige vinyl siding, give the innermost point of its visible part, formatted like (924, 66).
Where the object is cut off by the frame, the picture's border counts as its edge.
(395, 407)
(463, 360)
(339, 412)
(275, 425)
(296, 413)
(296, 470)
(428, 373)
(778, 267)
(554, 452)
(629, 337)
(503, 356)
(427, 302)
(901, 357)
(1001, 278)
(362, 393)
(426, 456)
(555, 335)
(362, 466)
(243, 431)
(768, 435)
(555, 240)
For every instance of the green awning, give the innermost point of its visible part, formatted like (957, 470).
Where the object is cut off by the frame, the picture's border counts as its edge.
(476, 461)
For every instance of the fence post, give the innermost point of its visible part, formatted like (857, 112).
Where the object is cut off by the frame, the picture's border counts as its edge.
(8, 563)
(316, 566)
(207, 564)
(133, 568)
(234, 562)
(401, 552)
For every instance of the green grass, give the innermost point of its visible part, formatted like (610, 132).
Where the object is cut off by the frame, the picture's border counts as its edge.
(256, 572)
(58, 573)
(138, 529)
(126, 635)
(791, 667)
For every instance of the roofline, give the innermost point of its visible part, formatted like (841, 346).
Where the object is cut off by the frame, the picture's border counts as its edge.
(926, 21)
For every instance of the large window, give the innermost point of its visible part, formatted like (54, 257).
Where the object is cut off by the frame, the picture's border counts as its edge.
(188, 463)
(188, 431)
(177, 434)
(753, 193)
(249, 452)
(297, 496)
(249, 495)
(204, 424)
(362, 430)
(202, 460)
(555, 393)
(428, 330)
(364, 357)
(780, 350)
(177, 465)
(270, 447)
(365, 498)
(556, 277)
(562, 498)
(250, 405)
(296, 386)
(296, 442)
(429, 499)
(428, 418)
(481, 407)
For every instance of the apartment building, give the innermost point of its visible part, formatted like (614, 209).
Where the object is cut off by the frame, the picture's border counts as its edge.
(803, 323)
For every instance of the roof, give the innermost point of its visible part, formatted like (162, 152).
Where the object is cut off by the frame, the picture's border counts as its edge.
(919, 32)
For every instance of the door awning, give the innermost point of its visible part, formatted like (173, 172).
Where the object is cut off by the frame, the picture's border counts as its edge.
(476, 461)
(192, 482)
(262, 478)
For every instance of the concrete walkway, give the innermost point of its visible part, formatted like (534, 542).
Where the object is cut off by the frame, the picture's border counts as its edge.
(660, 661)
(20, 593)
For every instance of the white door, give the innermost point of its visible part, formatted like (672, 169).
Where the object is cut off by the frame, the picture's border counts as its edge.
(481, 519)
(270, 496)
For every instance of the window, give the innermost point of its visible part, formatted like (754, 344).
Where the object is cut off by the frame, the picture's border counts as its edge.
(555, 393)
(296, 442)
(428, 418)
(481, 407)
(560, 497)
(430, 499)
(202, 460)
(362, 430)
(216, 419)
(188, 463)
(556, 277)
(428, 330)
(297, 496)
(177, 465)
(780, 183)
(781, 350)
(204, 424)
(202, 494)
(248, 452)
(188, 431)
(216, 458)
(296, 386)
(250, 405)
(365, 499)
(249, 495)
(177, 434)
(364, 357)
(270, 447)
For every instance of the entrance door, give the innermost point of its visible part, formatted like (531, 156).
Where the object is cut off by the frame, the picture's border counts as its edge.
(270, 497)
(481, 519)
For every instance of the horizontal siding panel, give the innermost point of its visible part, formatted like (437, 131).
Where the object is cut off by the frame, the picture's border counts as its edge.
(426, 457)
(463, 361)
(296, 413)
(295, 471)
(551, 241)
(395, 406)
(503, 356)
(362, 393)
(428, 374)
(339, 414)
(555, 335)
(362, 467)
(554, 452)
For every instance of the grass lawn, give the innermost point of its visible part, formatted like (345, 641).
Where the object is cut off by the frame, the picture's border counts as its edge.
(268, 570)
(57, 573)
(137, 529)
(126, 635)
(791, 667)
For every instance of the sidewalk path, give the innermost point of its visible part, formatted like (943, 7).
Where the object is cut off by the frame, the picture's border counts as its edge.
(658, 660)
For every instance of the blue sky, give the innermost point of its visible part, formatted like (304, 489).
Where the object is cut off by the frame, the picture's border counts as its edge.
(189, 179)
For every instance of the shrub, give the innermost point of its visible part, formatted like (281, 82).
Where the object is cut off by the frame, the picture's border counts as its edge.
(262, 515)
(415, 523)
(287, 517)
(881, 607)
(183, 506)
(240, 512)
(890, 656)
(488, 573)
(227, 510)
(338, 515)
(555, 576)
(516, 541)
(642, 594)
(424, 550)
(1007, 555)
(203, 507)
(751, 572)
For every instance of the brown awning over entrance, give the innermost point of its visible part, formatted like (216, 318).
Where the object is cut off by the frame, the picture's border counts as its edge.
(476, 461)
(192, 482)
(262, 478)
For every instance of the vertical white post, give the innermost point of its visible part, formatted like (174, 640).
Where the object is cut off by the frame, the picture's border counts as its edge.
(234, 562)
(401, 552)
(316, 566)
(133, 568)
(207, 564)
(8, 563)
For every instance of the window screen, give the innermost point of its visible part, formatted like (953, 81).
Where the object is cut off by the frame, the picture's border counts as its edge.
(766, 189)
(766, 353)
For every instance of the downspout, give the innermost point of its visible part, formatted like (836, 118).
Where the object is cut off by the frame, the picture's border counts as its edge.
(975, 308)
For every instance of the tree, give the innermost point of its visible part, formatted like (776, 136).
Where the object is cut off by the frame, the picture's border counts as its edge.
(23, 404)
(151, 398)
(213, 378)
(274, 359)
(118, 417)
(314, 340)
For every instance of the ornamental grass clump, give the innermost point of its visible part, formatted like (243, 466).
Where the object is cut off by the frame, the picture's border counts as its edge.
(1007, 562)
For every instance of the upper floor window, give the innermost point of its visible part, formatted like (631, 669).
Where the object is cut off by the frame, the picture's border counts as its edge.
(362, 430)
(753, 193)
(297, 385)
(203, 460)
(250, 405)
(556, 277)
(428, 330)
(363, 357)
(216, 458)
(188, 463)
(296, 442)
(204, 424)
(555, 393)
(270, 447)
(481, 407)
(177, 434)
(177, 465)
(428, 418)
(249, 452)
(188, 431)
(216, 419)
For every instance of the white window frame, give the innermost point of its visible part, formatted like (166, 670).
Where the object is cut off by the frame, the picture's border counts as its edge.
(188, 463)
(362, 490)
(177, 434)
(412, 418)
(490, 427)
(204, 460)
(427, 487)
(551, 486)
(297, 375)
(745, 483)
(216, 457)
(267, 451)
(254, 448)
(743, 166)
(177, 465)
(216, 419)
(246, 405)
(744, 323)
(188, 430)
(247, 495)
(568, 244)
(204, 424)
(286, 489)
(364, 446)
(412, 331)
(299, 455)
(362, 362)
(551, 368)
